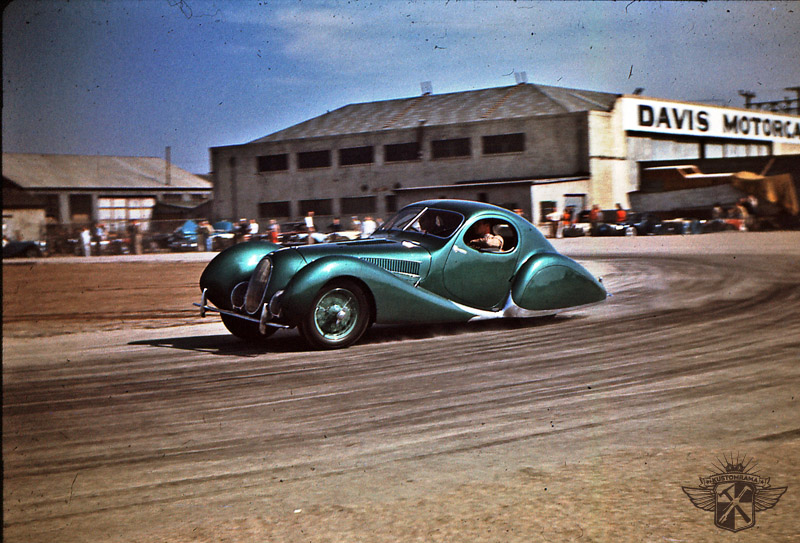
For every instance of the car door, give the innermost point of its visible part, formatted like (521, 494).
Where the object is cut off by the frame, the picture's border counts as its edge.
(481, 278)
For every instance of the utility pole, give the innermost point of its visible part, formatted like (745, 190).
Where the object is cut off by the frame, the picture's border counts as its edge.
(168, 172)
(788, 105)
(748, 98)
(797, 99)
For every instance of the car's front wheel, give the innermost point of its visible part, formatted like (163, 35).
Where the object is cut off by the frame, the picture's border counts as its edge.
(339, 316)
(32, 252)
(246, 330)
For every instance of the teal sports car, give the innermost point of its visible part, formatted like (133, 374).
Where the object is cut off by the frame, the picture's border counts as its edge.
(435, 261)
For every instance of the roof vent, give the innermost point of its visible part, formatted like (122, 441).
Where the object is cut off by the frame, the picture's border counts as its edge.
(521, 77)
(427, 87)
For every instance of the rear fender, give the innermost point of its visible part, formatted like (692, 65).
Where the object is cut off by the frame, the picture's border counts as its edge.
(395, 301)
(553, 281)
(231, 267)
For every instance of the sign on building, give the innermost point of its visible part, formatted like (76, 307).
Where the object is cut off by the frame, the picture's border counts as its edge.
(685, 119)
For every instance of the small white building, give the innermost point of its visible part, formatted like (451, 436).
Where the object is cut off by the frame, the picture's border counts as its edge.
(76, 189)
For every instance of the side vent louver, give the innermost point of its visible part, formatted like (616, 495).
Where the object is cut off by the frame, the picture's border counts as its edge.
(406, 267)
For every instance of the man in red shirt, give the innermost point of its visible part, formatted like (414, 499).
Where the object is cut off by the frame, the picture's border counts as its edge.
(621, 214)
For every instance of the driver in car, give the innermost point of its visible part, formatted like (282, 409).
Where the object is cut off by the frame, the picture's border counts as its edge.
(485, 239)
(431, 223)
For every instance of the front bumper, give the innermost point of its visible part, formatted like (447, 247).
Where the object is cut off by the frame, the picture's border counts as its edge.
(262, 321)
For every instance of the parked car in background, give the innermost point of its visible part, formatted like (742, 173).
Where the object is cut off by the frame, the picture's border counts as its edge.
(605, 226)
(293, 233)
(644, 224)
(27, 249)
(436, 261)
(635, 224)
(184, 237)
(224, 235)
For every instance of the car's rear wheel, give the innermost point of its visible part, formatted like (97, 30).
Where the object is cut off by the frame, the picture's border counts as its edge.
(246, 330)
(339, 315)
(32, 252)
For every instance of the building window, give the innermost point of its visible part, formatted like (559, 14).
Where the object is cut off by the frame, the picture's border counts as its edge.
(52, 206)
(116, 212)
(80, 205)
(273, 163)
(363, 204)
(503, 143)
(545, 208)
(391, 203)
(577, 201)
(401, 152)
(319, 207)
(271, 210)
(314, 159)
(458, 147)
(356, 155)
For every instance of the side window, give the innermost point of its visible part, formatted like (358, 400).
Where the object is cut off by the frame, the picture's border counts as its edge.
(491, 235)
(438, 222)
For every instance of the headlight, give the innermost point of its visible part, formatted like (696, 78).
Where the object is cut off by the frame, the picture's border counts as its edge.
(257, 285)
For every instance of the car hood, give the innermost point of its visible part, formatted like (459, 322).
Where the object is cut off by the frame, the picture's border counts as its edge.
(404, 258)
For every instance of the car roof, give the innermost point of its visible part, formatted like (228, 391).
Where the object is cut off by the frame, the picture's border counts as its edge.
(467, 208)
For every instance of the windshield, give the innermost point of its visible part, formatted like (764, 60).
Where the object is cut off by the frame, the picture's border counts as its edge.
(425, 220)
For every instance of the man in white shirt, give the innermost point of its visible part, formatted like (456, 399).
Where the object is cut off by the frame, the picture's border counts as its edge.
(368, 226)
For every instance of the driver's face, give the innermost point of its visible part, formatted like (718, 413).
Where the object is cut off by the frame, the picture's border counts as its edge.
(427, 221)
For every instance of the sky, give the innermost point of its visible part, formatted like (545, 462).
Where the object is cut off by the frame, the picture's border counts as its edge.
(130, 78)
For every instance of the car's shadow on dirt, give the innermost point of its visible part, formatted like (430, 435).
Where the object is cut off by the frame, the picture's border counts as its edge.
(290, 341)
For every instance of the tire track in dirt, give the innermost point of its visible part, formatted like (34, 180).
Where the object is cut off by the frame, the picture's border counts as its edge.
(143, 424)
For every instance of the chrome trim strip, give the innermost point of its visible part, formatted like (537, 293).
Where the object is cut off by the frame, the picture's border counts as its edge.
(275, 304)
(262, 322)
(203, 302)
(510, 310)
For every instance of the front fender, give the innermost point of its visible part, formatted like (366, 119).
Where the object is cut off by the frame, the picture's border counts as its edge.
(553, 281)
(395, 300)
(230, 267)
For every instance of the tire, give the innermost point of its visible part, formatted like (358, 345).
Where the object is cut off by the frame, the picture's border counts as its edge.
(245, 330)
(339, 316)
(32, 252)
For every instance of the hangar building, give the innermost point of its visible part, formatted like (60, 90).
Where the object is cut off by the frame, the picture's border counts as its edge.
(532, 147)
(76, 189)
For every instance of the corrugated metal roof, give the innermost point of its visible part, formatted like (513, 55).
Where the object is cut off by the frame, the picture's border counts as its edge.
(524, 100)
(36, 171)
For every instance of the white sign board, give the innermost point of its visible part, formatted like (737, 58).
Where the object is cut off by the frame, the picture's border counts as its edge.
(681, 118)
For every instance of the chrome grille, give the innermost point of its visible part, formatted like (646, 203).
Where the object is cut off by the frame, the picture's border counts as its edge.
(257, 285)
(406, 267)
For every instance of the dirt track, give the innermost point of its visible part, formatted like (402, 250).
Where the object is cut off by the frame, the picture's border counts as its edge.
(128, 418)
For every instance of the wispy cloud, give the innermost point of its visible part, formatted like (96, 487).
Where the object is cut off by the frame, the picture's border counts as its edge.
(265, 65)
